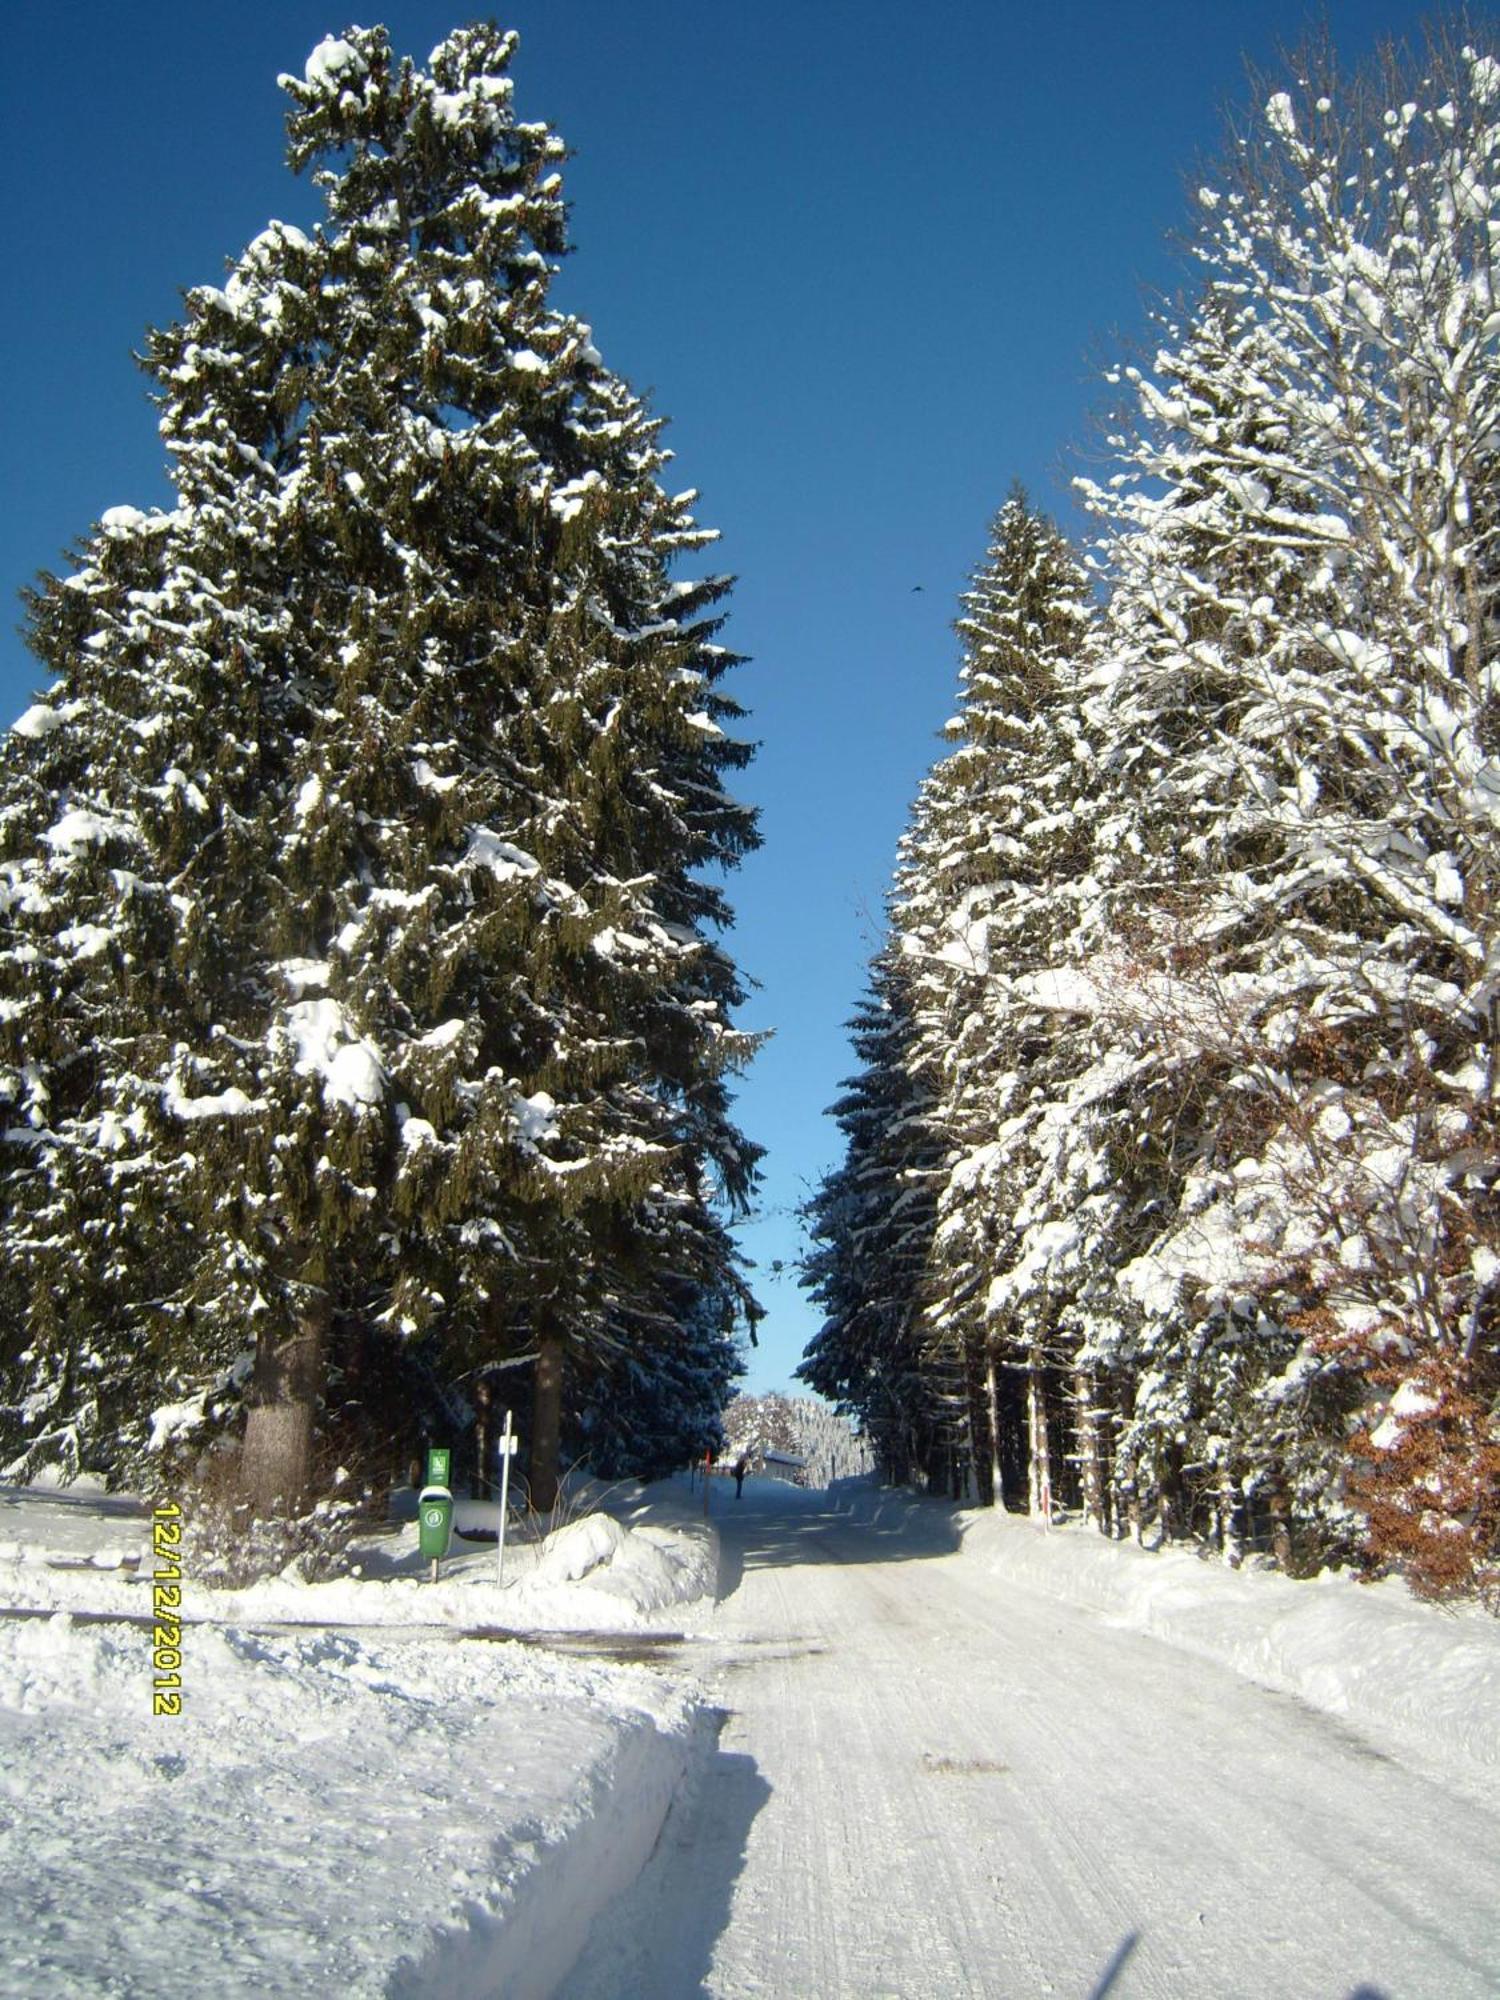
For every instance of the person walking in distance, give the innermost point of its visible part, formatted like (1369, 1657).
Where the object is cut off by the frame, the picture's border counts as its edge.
(741, 1467)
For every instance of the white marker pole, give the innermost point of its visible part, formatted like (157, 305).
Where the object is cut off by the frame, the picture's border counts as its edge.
(507, 1447)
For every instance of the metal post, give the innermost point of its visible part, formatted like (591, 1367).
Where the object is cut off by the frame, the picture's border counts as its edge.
(507, 1446)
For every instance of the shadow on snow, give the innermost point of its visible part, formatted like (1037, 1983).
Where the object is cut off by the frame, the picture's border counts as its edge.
(776, 1525)
(658, 1938)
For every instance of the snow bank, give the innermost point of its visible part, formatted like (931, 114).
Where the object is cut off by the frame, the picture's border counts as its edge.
(534, 1939)
(605, 1572)
(1394, 1668)
(325, 1816)
(647, 1568)
(343, 1805)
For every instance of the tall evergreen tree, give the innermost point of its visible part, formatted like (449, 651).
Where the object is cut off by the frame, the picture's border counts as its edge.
(356, 860)
(871, 1223)
(989, 892)
(1225, 1001)
(1304, 621)
(986, 883)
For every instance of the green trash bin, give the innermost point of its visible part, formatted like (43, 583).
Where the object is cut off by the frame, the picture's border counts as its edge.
(434, 1523)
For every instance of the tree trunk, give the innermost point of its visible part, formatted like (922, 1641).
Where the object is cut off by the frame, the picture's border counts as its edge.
(992, 1393)
(1231, 1540)
(1090, 1448)
(276, 1456)
(971, 1468)
(974, 1471)
(546, 1422)
(1039, 1478)
(482, 1441)
(1170, 1513)
(1281, 1527)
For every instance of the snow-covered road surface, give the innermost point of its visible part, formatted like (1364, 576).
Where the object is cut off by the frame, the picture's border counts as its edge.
(934, 1783)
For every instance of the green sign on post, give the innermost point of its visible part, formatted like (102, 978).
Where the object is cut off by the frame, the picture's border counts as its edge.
(439, 1459)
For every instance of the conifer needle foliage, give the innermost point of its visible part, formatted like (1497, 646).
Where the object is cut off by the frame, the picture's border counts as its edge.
(359, 863)
(1196, 928)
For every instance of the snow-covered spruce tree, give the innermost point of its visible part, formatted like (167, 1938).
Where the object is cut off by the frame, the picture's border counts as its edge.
(871, 1224)
(1305, 561)
(987, 891)
(942, 1381)
(828, 1444)
(353, 865)
(654, 1396)
(1213, 1413)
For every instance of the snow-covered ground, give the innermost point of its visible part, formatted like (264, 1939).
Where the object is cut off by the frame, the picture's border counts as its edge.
(900, 1750)
(937, 1780)
(1413, 1675)
(81, 1550)
(357, 1797)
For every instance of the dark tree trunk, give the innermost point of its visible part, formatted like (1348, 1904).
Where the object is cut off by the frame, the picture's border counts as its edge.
(1281, 1526)
(976, 1474)
(1171, 1508)
(483, 1399)
(1039, 1476)
(285, 1389)
(992, 1397)
(546, 1422)
(1231, 1524)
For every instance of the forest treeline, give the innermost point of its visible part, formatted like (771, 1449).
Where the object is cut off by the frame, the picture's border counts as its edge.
(1169, 1190)
(823, 1445)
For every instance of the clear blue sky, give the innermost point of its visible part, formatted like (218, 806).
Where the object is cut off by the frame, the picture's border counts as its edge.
(867, 259)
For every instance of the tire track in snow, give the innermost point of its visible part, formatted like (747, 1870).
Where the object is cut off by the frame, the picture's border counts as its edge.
(974, 1790)
(1003, 1900)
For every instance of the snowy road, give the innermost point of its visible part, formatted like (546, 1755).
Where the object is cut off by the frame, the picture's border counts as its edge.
(932, 1783)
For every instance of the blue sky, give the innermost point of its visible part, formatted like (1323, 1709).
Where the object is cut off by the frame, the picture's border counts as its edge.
(868, 259)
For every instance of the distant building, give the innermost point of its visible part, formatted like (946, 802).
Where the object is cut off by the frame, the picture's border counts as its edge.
(783, 1465)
